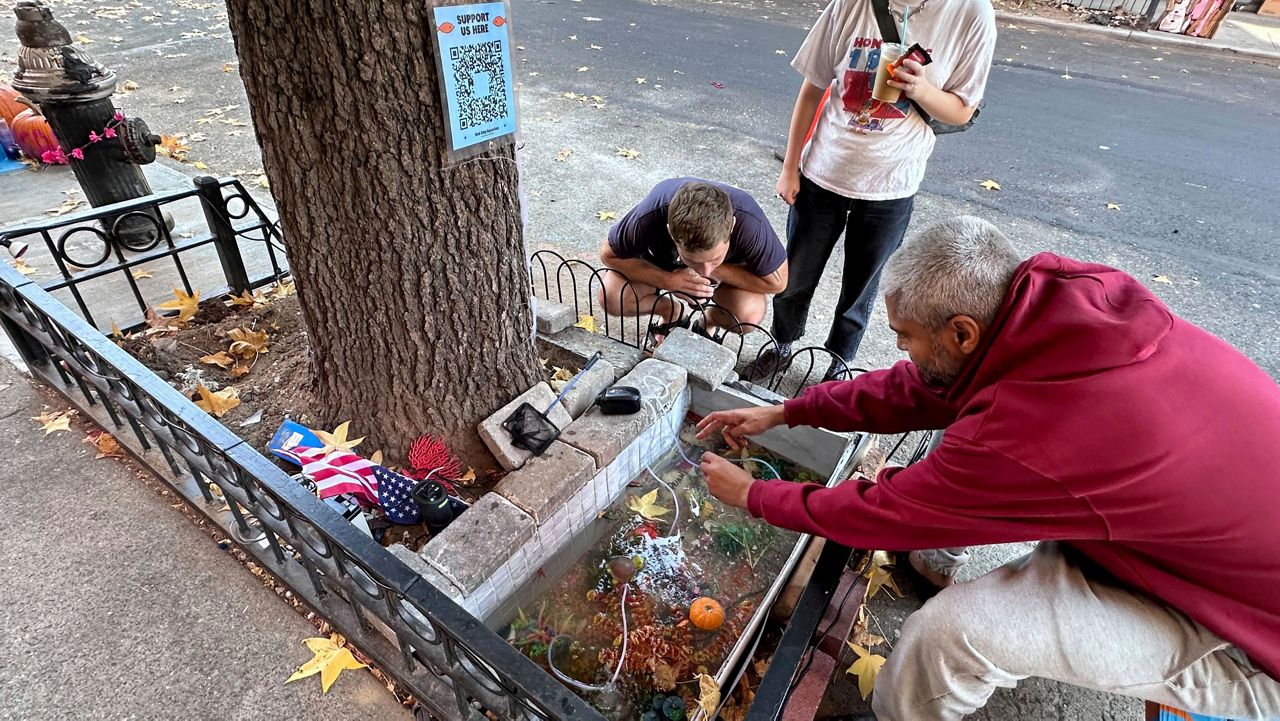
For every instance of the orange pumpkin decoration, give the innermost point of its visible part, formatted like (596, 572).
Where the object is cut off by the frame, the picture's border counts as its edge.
(706, 613)
(9, 105)
(32, 133)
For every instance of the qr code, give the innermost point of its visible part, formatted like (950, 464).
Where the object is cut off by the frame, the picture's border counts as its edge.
(478, 72)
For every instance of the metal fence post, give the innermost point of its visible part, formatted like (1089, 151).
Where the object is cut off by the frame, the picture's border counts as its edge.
(224, 235)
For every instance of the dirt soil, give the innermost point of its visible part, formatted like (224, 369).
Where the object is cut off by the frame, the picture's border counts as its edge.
(1116, 17)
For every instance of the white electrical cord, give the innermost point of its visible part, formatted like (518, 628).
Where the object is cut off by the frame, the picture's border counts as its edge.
(622, 657)
(674, 499)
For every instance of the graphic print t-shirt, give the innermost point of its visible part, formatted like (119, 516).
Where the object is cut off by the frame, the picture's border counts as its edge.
(642, 232)
(863, 148)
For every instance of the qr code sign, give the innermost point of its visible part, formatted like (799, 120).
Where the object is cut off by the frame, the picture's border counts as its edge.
(481, 100)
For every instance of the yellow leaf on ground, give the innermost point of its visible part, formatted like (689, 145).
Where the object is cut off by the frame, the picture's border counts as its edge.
(329, 660)
(220, 359)
(606, 215)
(564, 154)
(878, 576)
(337, 439)
(217, 404)
(186, 305)
(990, 184)
(376, 458)
(468, 477)
(115, 330)
(247, 343)
(628, 153)
(174, 147)
(142, 273)
(106, 445)
(1162, 279)
(865, 668)
(54, 421)
(83, 39)
(20, 265)
(1113, 206)
(587, 323)
(244, 300)
(228, 67)
(647, 506)
(282, 290)
(708, 694)
(198, 165)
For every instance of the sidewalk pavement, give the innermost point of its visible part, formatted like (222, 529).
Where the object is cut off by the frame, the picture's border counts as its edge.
(114, 605)
(1245, 35)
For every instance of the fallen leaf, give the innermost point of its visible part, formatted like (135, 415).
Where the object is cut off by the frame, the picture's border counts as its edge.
(628, 153)
(129, 86)
(142, 273)
(247, 343)
(779, 52)
(564, 154)
(878, 576)
(67, 206)
(228, 67)
(220, 359)
(1162, 279)
(593, 46)
(590, 19)
(587, 323)
(865, 668)
(186, 305)
(20, 265)
(239, 370)
(83, 39)
(173, 147)
(562, 374)
(990, 184)
(647, 506)
(583, 69)
(115, 330)
(708, 694)
(664, 676)
(337, 439)
(283, 290)
(1113, 206)
(468, 477)
(199, 165)
(606, 215)
(54, 421)
(330, 660)
(217, 404)
(106, 445)
(641, 81)
(376, 457)
(263, 182)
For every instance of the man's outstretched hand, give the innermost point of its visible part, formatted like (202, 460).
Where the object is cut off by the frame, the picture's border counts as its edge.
(736, 425)
(727, 482)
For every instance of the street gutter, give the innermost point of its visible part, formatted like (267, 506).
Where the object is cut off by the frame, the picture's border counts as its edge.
(1141, 37)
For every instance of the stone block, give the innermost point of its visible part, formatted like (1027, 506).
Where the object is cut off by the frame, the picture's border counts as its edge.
(660, 384)
(584, 392)
(547, 482)
(708, 363)
(499, 440)
(419, 565)
(603, 437)
(479, 541)
(553, 317)
(582, 344)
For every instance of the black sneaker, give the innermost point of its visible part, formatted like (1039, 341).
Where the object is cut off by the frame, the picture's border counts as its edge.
(837, 371)
(768, 364)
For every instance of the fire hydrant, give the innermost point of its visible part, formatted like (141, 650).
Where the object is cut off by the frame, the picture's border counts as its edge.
(73, 92)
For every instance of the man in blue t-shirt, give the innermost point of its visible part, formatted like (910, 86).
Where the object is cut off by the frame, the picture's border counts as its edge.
(702, 241)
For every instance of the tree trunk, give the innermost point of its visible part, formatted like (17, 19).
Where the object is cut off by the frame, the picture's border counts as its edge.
(412, 277)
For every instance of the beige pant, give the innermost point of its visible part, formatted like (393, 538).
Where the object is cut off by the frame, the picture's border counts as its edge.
(1040, 615)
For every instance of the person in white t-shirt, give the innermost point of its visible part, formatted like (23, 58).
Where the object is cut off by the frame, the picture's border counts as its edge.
(859, 173)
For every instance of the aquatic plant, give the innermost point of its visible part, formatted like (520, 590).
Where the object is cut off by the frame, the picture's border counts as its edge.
(747, 538)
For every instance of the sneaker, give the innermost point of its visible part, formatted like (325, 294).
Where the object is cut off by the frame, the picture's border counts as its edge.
(927, 581)
(769, 363)
(837, 371)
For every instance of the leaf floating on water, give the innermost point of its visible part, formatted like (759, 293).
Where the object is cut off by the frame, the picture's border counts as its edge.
(647, 506)
(708, 694)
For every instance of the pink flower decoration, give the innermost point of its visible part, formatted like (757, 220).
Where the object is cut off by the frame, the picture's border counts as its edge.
(109, 132)
(54, 157)
(119, 117)
(94, 137)
(77, 153)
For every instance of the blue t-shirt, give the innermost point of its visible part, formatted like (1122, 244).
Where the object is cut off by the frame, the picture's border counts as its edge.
(642, 233)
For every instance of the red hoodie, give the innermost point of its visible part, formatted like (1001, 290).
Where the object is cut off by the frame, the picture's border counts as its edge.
(1090, 414)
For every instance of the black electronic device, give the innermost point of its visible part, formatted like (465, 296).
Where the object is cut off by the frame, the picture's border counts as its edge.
(619, 401)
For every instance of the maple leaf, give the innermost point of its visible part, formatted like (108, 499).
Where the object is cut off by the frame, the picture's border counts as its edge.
(199, 165)
(376, 457)
(337, 439)
(1113, 206)
(878, 576)
(240, 370)
(186, 305)
(606, 215)
(583, 69)
(647, 506)
(329, 660)
(244, 300)
(247, 343)
(641, 81)
(228, 67)
(1162, 279)
(468, 477)
(628, 153)
(142, 274)
(587, 323)
(990, 184)
(708, 694)
(174, 147)
(564, 154)
(865, 668)
(217, 404)
(54, 421)
(106, 445)
(220, 359)
(21, 266)
(67, 206)
(283, 289)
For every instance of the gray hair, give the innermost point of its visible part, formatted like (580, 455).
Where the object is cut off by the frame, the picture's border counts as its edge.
(960, 266)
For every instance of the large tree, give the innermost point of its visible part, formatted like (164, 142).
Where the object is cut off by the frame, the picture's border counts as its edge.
(411, 275)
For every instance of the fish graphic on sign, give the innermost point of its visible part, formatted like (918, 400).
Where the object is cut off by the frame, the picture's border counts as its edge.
(446, 27)
(499, 21)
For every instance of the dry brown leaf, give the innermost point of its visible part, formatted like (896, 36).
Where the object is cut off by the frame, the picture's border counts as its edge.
(54, 421)
(468, 477)
(247, 343)
(240, 370)
(186, 305)
(67, 206)
(173, 147)
(708, 694)
(220, 359)
(282, 290)
(20, 265)
(217, 404)
(376, 457)
(105, 444)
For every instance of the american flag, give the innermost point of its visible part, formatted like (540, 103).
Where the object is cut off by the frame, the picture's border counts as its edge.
(395, 492)
(338, 472)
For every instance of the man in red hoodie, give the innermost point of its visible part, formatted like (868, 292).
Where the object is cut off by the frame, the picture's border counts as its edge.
(1082, 412)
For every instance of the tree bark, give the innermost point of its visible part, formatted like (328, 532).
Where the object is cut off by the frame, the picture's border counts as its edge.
(412, 277)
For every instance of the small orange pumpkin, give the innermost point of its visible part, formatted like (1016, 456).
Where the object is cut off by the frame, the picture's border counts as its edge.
(32, 132)
(9, 105)
(706, 613)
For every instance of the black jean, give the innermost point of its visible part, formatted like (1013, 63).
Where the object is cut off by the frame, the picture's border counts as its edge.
(872, 229)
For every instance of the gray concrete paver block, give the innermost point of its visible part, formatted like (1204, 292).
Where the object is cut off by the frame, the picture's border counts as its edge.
(547, 482)
(498, 439)
(479, 541)
(709, 364)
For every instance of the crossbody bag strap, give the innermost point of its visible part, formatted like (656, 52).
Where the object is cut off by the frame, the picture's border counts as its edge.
(888, 28)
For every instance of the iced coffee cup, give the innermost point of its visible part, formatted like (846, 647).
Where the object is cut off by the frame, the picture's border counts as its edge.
(883, 91)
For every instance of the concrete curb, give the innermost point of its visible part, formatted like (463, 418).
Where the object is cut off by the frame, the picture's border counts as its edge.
(1141, 37)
